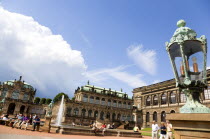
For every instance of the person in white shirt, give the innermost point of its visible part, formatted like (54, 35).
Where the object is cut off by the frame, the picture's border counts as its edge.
(155, 129)
(169, 130)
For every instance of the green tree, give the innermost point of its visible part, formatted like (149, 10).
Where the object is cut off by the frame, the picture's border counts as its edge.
(73, 98)
(48, 101)
(58, 97)
(43, 101)
(37, 100)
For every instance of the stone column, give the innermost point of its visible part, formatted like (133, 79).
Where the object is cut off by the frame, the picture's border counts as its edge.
(158, 117)
(88, 99)
(72, 111)
(86, 113)
(150, 118)
(80, 112)
(17, 109)
(144, 121)
(135, 118)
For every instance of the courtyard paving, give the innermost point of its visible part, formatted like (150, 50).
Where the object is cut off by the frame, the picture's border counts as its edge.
(12, 133)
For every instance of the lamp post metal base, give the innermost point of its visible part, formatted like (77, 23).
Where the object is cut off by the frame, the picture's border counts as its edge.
(193, 104)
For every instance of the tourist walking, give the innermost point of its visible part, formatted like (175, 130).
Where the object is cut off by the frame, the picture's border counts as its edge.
(163, 131)
(169, 130)
(155, 129)
(36, 123)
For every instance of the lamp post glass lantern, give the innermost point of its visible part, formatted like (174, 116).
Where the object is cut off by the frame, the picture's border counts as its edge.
(188, 59)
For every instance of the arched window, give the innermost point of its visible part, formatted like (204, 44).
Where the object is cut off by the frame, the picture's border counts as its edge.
(163, 116)
(172, 98)
(95, 114)
(15, 94)
(155, 116)
(97, 100)
(124, 105)
(155, 100)
(102, 115)
(108, 115)
(114, 103)
(172, 111)
(147, 117)
(109, 102)
(103, 102)
(129, 105)
(148, 101)
(83, 112)
(182, 97)
(207, 93)
(76, 111)
(91, 99)
(25, 97)
(129, 118)
(124, 118)
(89, 113)
(113, 116)
(85, 98)
(68, 111)
(4, 93)
(163, 98)
(119, 104)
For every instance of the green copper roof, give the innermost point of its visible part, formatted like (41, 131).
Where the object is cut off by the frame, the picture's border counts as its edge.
(101, 90)
(11, 82)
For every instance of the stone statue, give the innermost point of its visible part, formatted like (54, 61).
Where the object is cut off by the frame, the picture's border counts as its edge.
(50, 106)
(1, 104)
(2, 101)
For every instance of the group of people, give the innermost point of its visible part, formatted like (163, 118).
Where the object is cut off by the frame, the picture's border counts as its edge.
(165, 130)
(103, 127)
(20, 120)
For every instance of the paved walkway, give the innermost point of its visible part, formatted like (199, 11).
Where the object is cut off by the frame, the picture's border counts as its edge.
(13, 133)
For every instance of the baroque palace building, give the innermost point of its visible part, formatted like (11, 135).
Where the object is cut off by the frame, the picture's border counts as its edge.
(17, 96)
(97, 104)
(156, 101)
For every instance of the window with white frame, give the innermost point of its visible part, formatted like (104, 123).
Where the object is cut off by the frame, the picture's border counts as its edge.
(207, 93)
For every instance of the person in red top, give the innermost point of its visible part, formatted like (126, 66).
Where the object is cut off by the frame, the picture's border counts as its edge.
(103, 127)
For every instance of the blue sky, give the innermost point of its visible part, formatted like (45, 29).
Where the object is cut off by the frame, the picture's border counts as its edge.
(114, 44)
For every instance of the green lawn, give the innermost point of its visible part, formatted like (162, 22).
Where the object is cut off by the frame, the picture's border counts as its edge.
(147, 129)
(146, 134)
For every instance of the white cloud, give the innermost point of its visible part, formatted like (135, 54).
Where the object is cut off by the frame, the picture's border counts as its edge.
(144, 59)
(32, 50)
(101, 75)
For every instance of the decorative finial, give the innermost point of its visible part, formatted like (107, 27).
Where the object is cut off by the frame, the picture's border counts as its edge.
(20, 78)
(181, 23)
(88, 82)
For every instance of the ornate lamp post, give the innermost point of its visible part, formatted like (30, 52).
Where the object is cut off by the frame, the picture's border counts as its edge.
(188, 59)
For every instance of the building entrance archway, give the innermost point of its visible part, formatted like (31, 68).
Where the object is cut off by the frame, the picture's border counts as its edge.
(22, 108)
(11, 108)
